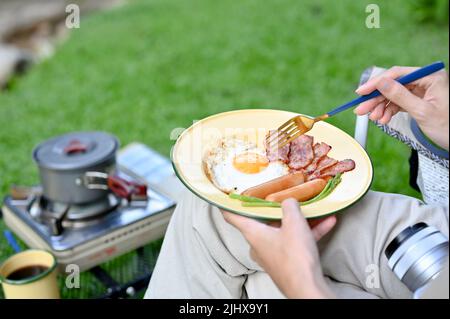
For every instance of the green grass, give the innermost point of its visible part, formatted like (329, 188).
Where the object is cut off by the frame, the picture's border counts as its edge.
(143, 69)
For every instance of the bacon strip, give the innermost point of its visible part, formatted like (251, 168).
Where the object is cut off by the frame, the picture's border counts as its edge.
(301, 152)
(323, 164)
(320, 150)
(303, 155)
(281, 154)
(341, 167)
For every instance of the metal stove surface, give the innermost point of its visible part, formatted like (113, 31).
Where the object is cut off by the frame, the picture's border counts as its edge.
(71, 237)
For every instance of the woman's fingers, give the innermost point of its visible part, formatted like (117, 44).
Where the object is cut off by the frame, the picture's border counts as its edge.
(381, 112)
(402, 97)
(322, 228)
(368, 106)
(393, 73)
(374, 84)
(315, 221)
(294, 221)
(378, 111)
(386, 116)
(390, 111)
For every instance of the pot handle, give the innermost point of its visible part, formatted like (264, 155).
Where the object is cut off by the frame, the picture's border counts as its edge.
(126, 189)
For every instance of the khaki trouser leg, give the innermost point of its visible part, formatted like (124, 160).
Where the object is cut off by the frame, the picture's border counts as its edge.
(195, 261)
(204, 257)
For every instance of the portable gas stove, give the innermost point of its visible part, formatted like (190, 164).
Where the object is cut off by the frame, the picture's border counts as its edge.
(90, 234)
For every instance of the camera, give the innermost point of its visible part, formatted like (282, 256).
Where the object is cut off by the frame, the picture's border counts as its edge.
(417, 255)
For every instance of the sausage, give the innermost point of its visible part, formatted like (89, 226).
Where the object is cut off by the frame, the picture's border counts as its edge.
(275, 185)
(302, 192)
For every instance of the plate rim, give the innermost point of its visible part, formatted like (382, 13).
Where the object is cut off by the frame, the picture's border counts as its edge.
(261, 218)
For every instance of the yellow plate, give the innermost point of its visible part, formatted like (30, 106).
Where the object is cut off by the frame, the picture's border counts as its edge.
(252, 125)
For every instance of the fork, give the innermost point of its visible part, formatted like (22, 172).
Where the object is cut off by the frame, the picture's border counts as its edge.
(301, 124)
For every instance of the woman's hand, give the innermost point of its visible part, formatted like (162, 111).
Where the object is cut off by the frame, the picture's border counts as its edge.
(288, 253)
(426, 100)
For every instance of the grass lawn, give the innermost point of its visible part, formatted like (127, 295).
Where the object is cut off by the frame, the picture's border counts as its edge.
(143, 69)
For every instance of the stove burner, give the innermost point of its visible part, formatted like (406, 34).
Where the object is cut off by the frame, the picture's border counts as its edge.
(60, 215)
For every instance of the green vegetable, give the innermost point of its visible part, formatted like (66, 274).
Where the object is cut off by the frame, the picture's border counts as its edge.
(249, 201)
(261, 204)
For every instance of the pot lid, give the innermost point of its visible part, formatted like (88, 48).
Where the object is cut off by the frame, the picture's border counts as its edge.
(75, 150)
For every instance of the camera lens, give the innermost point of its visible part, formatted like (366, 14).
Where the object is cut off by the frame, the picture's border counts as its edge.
(417, 255)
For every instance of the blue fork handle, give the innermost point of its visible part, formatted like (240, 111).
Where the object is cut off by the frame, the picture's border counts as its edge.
(406, 79)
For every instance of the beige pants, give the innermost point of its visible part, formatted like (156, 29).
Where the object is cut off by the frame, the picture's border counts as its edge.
(204, 257)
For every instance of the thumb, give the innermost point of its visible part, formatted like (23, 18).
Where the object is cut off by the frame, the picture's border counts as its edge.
(400, 95)
(292, 216)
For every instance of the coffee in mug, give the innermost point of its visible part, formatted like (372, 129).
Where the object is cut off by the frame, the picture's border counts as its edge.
(26, 272)
(31, 274)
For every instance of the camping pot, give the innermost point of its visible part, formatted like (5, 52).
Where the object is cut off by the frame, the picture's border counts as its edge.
(79, 168)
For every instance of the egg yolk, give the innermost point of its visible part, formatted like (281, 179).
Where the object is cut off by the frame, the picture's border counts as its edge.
(250, 163)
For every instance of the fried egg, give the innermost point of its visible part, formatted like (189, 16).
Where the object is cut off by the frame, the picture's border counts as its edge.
(235, 165)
